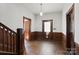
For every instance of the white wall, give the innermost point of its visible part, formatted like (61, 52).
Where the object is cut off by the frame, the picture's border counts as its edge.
(57, 21)
(12, 15)
(77, 23)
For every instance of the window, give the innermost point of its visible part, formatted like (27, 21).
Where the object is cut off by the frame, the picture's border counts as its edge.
(47, 25)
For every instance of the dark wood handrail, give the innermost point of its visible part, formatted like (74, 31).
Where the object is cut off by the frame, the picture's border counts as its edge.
(7, 27)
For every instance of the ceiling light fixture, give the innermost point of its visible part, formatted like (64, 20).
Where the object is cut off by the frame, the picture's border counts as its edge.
(41, 13)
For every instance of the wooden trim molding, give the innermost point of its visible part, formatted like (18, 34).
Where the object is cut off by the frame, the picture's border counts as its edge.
(70, 8)
(25, 31)
(42, 36)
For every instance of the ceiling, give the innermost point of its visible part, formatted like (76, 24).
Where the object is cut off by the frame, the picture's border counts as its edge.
(36, 8)
(46, 7)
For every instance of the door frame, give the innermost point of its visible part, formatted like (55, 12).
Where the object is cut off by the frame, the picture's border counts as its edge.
(68, 29)
(29, 27)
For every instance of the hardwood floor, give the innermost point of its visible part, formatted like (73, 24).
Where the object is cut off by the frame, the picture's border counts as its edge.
(44, 48)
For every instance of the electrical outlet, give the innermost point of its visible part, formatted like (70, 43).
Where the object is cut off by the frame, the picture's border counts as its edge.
(54, 28)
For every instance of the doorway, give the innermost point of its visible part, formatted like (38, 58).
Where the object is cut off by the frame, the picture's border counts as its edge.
(70, 30)
(47, 28)
(26, 27)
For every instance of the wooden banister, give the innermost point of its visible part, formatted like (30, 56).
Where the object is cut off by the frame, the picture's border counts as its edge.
(10, 41)
(7, 39)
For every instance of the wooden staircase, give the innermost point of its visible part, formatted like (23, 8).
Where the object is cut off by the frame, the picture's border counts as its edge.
(11, 42)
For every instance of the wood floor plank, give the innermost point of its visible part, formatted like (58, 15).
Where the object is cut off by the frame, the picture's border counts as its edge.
(44, 48)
